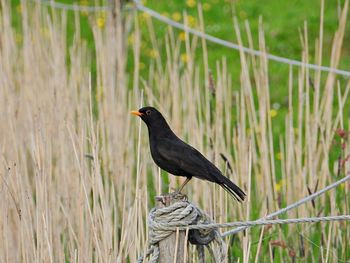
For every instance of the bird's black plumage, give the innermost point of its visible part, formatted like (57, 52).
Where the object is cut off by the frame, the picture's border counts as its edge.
(177, 157)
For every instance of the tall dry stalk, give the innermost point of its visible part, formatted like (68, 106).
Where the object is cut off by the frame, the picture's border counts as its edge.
(77, 180)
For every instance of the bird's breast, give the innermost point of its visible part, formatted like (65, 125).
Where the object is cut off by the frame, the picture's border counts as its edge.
(157, 158)
(162, 162)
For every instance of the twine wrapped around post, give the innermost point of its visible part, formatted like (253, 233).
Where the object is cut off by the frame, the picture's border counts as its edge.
(165, 244)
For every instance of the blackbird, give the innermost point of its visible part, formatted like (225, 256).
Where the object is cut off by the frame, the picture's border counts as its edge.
(177, 157)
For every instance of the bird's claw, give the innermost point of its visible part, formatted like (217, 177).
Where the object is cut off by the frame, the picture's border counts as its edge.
(166, 198)
(178, 195)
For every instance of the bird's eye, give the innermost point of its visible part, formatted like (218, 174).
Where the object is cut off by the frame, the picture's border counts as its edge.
(148, 112)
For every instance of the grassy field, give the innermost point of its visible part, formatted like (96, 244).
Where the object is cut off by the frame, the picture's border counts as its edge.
(77, 180)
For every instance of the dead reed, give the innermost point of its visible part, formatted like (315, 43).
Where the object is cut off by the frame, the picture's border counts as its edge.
(77, 180)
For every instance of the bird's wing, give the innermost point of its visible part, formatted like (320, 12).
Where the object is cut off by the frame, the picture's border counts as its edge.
(187, 161)
(184, 157)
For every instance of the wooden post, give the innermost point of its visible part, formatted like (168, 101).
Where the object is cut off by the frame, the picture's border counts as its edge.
(172, 248)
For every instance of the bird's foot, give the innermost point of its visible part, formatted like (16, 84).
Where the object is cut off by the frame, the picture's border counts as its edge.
(178, 195)
(166, 199)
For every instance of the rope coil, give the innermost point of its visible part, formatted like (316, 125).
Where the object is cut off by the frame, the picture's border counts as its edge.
(181, 215)
(184, 215)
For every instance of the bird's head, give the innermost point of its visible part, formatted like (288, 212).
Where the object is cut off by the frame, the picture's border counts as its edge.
(151, 116)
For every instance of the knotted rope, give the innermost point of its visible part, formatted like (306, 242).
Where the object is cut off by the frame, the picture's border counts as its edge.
(184, 215)
(180, 215)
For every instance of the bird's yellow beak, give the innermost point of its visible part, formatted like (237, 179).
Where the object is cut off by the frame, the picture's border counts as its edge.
(137, 113)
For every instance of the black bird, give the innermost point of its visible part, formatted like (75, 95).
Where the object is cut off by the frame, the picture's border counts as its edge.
(177, 157)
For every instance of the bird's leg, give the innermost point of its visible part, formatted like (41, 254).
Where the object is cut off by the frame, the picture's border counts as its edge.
(183, 185)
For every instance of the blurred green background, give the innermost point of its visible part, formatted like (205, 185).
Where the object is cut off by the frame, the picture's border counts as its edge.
(283, 23)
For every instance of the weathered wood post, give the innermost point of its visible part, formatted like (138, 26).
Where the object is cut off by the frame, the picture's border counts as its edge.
(172, 248)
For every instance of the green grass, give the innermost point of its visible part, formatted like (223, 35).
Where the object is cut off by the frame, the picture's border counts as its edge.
(282, 23)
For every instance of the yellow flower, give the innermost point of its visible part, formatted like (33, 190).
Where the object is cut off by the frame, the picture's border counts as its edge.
(206, 7)
(182, 36)
(153, 53)
(279, 156)
(100, 21)
(176, 16)
(192, 21)
(296, 131)
(191, 3)
(184, 58)
(19, 8)
(278, 186)
(142, 65)
(273, 113)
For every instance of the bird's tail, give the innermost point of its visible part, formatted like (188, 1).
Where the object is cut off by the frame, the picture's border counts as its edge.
(233, 189)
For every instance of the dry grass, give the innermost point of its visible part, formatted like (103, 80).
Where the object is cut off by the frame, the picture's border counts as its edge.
(60, 206)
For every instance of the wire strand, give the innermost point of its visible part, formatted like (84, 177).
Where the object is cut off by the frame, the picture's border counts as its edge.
(169, 227)
(292, 206)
